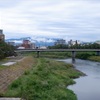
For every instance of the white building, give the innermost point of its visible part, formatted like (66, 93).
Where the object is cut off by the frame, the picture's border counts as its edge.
(98, 42)
(71, 42)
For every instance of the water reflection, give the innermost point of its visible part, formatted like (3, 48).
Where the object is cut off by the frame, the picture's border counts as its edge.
(73, 60)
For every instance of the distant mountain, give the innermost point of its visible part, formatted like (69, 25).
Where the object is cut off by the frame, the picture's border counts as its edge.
(39, 41)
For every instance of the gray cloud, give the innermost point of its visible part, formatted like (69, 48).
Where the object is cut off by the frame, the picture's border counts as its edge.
(74, 19)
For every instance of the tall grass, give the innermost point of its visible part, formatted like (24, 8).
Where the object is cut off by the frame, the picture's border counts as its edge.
(48, 80)
(94, 58)
(84, 55)
(60, 55)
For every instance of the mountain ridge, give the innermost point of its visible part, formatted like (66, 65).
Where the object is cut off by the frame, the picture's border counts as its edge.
(39, 41)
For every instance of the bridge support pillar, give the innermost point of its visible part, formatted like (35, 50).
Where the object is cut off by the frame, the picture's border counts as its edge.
(73, 56)
(38, 54)
(98, 53)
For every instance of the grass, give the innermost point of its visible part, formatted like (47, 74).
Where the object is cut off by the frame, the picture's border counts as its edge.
(84, 55)
(48, 80)
(58, 55)
(10, 73)
(94, 58)
(2, 67)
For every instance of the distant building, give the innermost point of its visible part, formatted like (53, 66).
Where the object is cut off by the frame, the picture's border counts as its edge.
(11, 43)
(71, 42)
(43, 47)
(60, 41)
(98, 42)
(2, 36)
(32, 46)
(20, 47)
(26, 44)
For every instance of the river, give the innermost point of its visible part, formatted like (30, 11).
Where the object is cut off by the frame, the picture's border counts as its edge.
(87, 87)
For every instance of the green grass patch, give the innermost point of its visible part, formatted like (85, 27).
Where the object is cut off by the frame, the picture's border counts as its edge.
(94, 58)
(84, 55)
(2, 67)
(48, 80)
(60, 55)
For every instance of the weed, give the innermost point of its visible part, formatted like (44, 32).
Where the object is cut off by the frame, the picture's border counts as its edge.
(46, 81)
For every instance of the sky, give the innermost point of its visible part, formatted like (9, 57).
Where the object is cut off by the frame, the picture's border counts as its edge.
(66, 19)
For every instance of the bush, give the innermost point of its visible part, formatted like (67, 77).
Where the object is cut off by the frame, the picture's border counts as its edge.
(84, 55)
(1, 54)
(6, 50)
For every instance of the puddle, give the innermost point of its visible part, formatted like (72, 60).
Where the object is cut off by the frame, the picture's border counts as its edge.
(8, 63)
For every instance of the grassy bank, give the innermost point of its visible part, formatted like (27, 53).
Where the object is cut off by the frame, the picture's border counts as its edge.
(61, 55)
(84, 55)
(94, 58)
(57, 55)
(10, 73)
(2, 67)
(47, 80)
(64, 55)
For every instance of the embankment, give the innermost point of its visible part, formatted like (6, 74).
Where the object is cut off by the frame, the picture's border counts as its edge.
(47, 80)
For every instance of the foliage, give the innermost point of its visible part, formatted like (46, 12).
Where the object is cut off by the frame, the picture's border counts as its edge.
(58, 46)
(47, 80)
(94, 58)
(84, 55)
(1, 54)
(6, 50)
(77, 46)
(60, 55)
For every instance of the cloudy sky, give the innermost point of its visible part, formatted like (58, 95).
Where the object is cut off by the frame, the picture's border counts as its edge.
(67, 19)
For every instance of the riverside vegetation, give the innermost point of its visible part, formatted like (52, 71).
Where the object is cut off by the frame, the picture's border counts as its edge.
(94, 58)
(81, 55)
(47, 80)
(6, 50)
(63, 55)
(10, 73)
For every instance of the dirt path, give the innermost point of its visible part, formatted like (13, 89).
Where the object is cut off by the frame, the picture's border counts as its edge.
(13, 72)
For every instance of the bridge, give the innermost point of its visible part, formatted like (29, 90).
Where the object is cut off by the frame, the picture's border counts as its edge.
(59, 50)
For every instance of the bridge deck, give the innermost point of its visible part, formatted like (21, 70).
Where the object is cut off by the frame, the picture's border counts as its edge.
(55, 50)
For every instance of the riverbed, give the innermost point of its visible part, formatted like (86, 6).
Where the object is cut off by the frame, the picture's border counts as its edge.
(87, 87)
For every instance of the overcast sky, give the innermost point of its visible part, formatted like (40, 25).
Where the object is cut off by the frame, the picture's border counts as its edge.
(67, 19)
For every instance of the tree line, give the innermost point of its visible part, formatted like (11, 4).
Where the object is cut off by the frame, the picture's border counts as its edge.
(6, 50)
(76, 46)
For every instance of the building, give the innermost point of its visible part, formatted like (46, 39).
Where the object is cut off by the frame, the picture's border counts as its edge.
(43, 47)
(60, 41)
(21, 47)
(32, 46)
(2, 36)
(26, 44)
(98, 42)
(71, 42)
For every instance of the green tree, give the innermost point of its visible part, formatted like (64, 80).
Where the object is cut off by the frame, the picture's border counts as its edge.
(6, 50)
